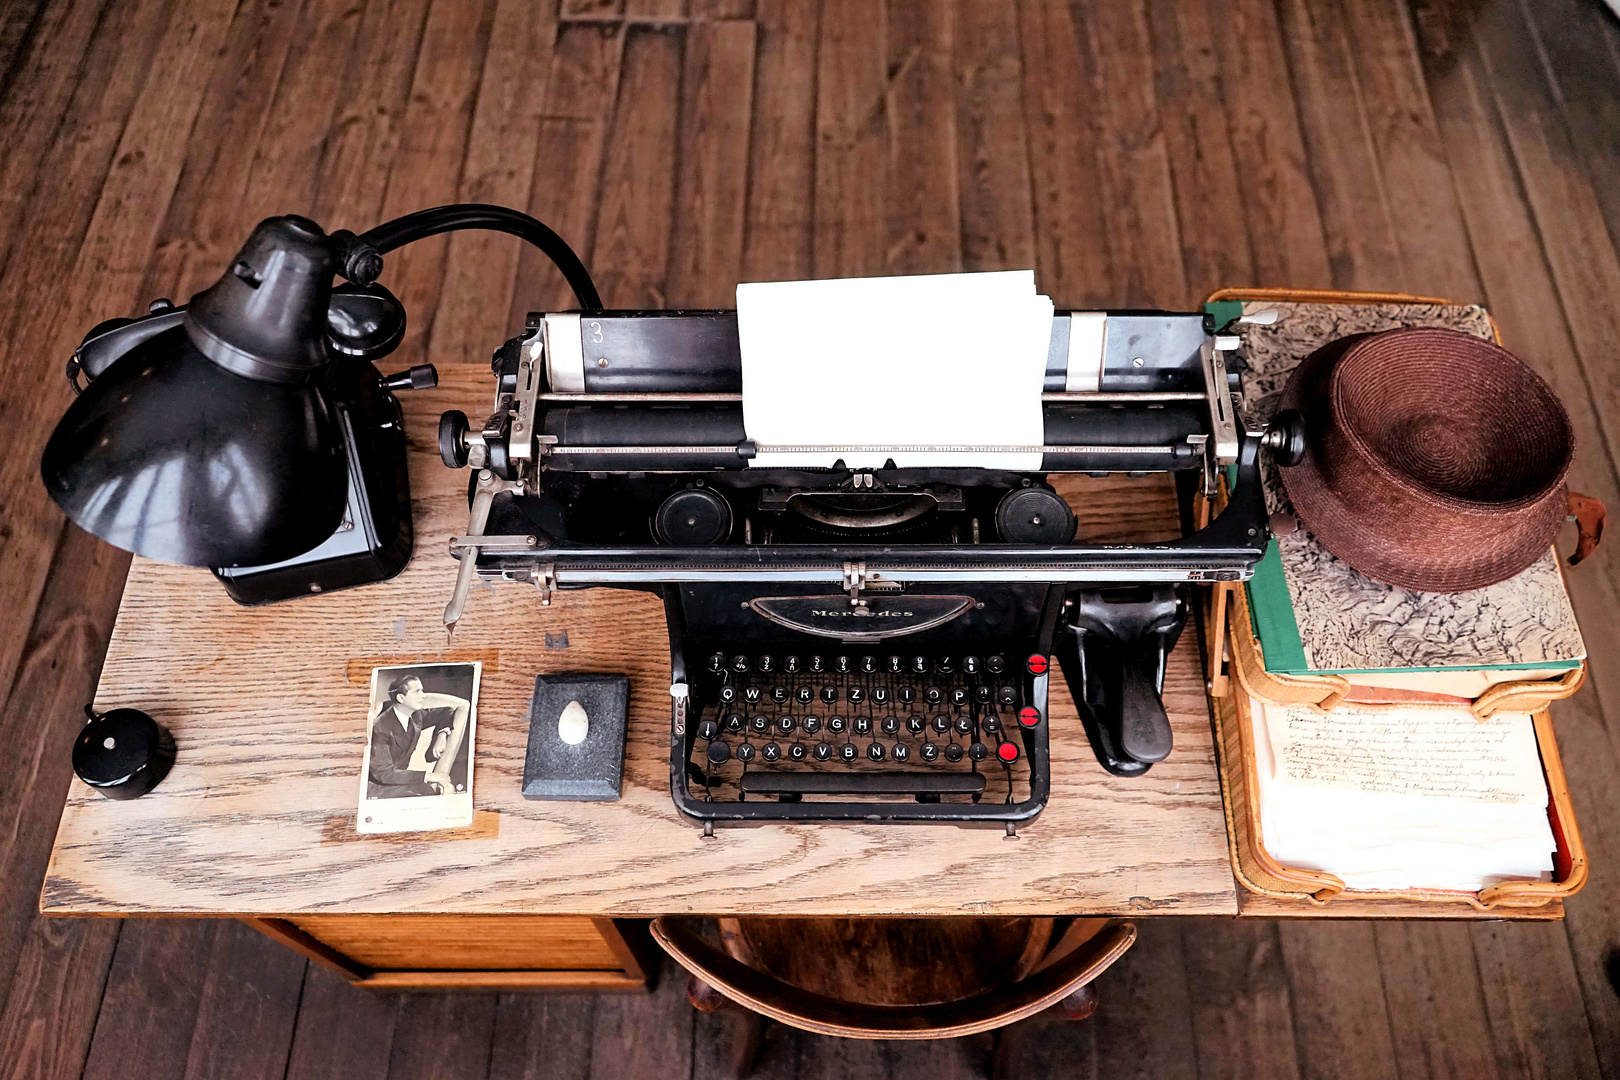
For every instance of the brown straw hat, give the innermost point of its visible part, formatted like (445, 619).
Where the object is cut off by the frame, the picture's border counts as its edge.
(1436, 460)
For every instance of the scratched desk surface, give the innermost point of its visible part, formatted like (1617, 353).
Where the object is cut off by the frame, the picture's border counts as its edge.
(268, 706)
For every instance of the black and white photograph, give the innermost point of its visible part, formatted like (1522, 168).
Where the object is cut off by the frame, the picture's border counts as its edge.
(418, 770)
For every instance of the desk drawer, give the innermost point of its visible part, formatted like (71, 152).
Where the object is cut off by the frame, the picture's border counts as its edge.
(472, 951)
(464, 942)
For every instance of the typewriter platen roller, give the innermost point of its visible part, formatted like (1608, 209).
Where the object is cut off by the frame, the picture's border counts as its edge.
(864, 644)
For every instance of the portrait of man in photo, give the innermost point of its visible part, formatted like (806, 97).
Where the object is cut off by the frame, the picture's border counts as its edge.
(417, 736)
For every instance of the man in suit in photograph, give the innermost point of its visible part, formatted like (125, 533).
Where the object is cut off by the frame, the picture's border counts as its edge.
(406, 714)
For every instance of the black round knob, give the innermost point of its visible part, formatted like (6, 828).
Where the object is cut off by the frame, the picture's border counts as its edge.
(908, 694)
(693, 517)
(708, 729)
(745, 753)
(719, 752)
(953, 753)
(929, 751)
(1034, 515)
(964, 725)
(123, 754)
(978, 751)
(901, 752)
(875, 751)
(811, 724)
(822, 752)
(771, 752)
(1285, 438)
(916, 725)
(453, 429)
(997, 664)
(847, 751)
(836, 724)
(796, 752)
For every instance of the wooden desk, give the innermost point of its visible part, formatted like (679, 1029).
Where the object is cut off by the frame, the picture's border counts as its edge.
(268, 706)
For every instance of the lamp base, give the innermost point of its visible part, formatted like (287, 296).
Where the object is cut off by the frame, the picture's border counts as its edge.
(374, 541)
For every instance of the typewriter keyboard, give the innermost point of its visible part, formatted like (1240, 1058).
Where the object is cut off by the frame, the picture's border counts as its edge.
(930, 728)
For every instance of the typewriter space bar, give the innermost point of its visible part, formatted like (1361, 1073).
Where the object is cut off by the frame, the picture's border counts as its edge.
(863, 783)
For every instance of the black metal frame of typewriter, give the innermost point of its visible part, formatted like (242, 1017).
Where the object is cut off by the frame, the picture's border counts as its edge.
(1226, 549)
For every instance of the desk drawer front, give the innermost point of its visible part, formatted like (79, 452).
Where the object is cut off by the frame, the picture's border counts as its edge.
(464, 942)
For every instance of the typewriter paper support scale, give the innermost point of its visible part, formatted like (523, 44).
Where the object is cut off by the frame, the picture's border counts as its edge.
(840, 492)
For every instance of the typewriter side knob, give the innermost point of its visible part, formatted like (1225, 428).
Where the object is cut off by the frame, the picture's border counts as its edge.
(693, 517)
(1034, 515)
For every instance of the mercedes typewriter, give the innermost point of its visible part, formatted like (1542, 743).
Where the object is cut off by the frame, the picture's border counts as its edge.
(866, 644)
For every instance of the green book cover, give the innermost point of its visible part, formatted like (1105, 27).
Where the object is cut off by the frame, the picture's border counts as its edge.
(1313, 614)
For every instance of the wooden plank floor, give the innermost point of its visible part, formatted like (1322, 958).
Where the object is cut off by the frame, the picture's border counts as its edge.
(1136, 152)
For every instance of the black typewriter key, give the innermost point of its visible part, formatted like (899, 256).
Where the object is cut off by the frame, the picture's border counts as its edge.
(863, 725)
(964, 725)
(970, 664)
(779, 694)
(942, 724)
(929, 751)
(978, 751)
(895, 664)
(818, 663)
(745, 753)
(996, 664)
(708, 729)
(901, 752)
(829, 694)
(786, 724)
(760, 724)
(944, 665)
(869, 664)
(797, 752)
(810, 724)
(719, 752)
(790, 664)
(982, 694)
(1007, 695)
(991, 723)
(739, 664)
(953, 753)
(771, 752)
(733, 722)
(916, 725)
(959, 695)
(843, 665)
(847, 751)
(880, 694)
(822, 751)
(766, 664)
(856, 695)
(875, 751)
(836, 724)
(728, 694)
(805, 695)
(919, 664)
(751, 695)
(908, 694)
(717, 662)
(890, 725)
(934, 695)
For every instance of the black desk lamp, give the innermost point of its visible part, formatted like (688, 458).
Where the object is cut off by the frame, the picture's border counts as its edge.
(249, 430)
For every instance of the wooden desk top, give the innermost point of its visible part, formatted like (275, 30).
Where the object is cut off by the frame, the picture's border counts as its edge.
(268, 706)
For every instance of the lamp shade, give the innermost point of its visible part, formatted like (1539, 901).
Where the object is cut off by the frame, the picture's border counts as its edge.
(216, 442)
(170, 456)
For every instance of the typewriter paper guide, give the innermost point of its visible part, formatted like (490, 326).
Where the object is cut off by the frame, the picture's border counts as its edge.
(949, 364)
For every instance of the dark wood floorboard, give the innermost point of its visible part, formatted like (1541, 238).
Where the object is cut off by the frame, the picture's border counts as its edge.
(1141, 152)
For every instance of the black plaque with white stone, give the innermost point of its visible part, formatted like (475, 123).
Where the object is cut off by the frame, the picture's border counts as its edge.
(588, 770)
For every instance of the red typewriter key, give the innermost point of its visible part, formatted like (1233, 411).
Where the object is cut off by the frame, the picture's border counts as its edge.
(1007, 752)
(1037, 664)
(1029, 716)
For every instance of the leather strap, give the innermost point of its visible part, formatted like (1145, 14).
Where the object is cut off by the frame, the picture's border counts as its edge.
(1589, 515)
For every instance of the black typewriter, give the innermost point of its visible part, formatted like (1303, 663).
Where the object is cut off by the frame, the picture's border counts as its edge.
(864, 644)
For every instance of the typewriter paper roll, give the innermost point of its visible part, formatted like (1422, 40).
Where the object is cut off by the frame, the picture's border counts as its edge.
(937, 370)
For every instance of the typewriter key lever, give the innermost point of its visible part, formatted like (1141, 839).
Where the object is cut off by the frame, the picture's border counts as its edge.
(1113, 643)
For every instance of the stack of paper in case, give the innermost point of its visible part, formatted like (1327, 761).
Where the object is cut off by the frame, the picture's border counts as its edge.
(1386, 735)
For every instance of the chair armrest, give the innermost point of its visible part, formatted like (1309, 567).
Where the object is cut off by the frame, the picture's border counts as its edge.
(798, 1008)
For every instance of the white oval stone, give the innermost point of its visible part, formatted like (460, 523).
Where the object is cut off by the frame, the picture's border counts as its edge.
(573, 724)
